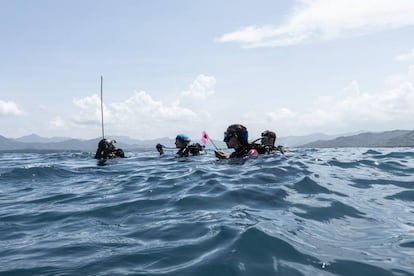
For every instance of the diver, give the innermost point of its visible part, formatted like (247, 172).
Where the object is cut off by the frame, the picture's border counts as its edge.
(267, 144)
(108, 150)
(236, 137)
(182, 142)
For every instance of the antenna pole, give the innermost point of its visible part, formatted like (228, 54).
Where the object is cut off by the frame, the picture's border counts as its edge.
(102, 120)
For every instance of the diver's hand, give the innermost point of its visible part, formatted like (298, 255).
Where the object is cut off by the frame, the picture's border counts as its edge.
(220, 154)
(159, 149)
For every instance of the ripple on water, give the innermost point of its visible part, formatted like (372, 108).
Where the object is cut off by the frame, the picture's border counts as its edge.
(309, 212)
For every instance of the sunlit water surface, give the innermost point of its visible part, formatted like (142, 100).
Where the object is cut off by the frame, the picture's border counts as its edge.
(309, 212)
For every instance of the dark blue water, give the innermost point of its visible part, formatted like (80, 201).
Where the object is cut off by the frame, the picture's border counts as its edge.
(310, 212)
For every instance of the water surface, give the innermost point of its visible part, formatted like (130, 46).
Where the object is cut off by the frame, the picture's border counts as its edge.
(309, 212)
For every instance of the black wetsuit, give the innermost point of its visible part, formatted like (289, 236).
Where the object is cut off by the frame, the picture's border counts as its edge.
(265, 149)
(108, 151)
(242, 151)
(193, 149)
(268, 149)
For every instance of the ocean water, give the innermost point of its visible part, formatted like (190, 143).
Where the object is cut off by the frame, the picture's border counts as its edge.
(309, 212)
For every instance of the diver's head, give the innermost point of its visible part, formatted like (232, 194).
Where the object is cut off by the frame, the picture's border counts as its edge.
(268, 137)
(181, 141)
(236, 133)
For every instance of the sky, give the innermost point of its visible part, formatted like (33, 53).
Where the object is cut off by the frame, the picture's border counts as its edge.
(295, 67)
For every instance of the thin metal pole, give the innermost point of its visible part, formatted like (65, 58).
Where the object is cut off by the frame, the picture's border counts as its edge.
(102, 120)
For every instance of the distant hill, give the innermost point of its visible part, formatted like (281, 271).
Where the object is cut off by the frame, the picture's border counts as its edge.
(6, 143)
(34, 138)
(405, 140)
(9, 145)
(36, 143)
(293, 141)
(394, 138)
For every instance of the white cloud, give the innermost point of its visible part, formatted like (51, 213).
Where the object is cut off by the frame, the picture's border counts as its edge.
(411, 73)
(315, 20)
(10, 108)
(405, 56)
(143, 107)
(282, 114)
(353, 110)
(201, 88)
(89, 110)
(395, 80)
(142, 116)
(57, 122)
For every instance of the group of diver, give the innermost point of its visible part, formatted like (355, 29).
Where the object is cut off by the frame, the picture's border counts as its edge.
(235, 137)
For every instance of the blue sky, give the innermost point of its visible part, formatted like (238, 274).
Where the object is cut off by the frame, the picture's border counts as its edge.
(295, 67)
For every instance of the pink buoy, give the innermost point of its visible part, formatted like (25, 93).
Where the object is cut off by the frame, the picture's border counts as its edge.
(252, 152)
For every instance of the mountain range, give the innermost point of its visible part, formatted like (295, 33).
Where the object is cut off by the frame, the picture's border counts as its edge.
(394, 138)
(36, 143)
(33, 143)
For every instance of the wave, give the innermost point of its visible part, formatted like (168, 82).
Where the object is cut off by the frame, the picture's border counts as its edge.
(309, 212)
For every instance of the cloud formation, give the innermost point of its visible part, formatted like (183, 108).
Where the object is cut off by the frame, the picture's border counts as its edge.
(353, 110)
(316, 20)
(57, 123)
(142, 115)
(89, 110)
(10, 108)
(142, 107)
(409, 56)
(201, 88)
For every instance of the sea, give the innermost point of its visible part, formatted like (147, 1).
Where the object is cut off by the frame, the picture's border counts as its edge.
(306, 212)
